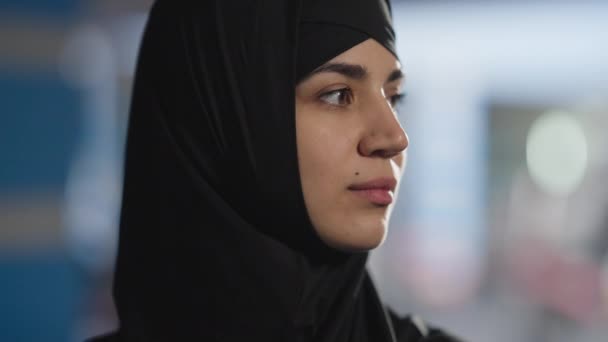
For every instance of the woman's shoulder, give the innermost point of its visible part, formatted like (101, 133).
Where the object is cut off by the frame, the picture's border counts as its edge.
(413, 329)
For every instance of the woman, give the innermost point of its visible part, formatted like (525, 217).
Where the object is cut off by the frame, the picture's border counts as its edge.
(263, 157)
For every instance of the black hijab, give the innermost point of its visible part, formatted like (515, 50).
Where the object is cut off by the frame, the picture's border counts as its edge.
(215, 240)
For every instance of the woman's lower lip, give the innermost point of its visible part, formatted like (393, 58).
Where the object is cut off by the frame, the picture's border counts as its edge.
(376, 196)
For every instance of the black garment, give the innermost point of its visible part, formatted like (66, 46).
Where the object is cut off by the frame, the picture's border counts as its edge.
(408, 329)
(215, 241)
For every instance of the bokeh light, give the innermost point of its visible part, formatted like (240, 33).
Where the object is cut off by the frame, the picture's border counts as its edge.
(556, 152)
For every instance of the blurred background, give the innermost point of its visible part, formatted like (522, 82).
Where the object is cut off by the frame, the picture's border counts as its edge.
(501, 229)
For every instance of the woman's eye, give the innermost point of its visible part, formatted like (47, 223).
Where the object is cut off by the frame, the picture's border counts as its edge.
(338, 97)
(397, 99)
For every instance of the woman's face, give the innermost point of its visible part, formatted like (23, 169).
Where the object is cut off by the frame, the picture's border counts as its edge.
(351, 145)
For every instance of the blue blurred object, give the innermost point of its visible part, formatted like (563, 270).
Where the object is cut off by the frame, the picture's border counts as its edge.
(40, 298)
(39, 131)
(57, 8)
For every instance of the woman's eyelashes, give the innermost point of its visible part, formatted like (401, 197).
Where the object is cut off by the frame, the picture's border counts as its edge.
(339, 97)
(397, 99)
(344, 96)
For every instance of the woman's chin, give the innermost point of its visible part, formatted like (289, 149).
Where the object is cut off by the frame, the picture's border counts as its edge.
(360, 236)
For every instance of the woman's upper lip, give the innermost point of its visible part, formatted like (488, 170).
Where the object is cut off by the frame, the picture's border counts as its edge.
(386, 183)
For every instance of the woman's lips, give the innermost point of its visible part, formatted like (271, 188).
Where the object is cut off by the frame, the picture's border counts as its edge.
(376, 196)
(379, 191)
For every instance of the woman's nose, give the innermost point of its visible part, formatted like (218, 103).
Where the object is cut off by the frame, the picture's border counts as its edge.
(384, 137)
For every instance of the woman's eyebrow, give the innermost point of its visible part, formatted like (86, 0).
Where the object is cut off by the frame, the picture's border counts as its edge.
(397, 74)
(354, 71)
